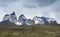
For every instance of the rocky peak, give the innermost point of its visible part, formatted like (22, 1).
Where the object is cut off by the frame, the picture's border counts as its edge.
(13, 13)
(24, 21)
(11, 17)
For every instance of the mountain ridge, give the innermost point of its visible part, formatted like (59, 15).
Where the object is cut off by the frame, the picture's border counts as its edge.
(22, 20)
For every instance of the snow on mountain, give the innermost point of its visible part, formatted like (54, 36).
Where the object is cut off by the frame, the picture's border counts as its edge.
(44, 20)
(11, 17)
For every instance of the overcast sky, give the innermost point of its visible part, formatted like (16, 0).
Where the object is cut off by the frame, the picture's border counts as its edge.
(31, 8)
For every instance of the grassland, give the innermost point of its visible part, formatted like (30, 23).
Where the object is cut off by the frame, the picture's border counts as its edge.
(30, 31)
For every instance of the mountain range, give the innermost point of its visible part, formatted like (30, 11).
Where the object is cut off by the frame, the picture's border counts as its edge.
(11, 19)
(44, 20)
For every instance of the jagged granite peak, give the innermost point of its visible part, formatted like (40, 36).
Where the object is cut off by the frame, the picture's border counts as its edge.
(21, 18)
(44, 20)
(11, 17)
(24, 21)
(6, 23)
(13, 13)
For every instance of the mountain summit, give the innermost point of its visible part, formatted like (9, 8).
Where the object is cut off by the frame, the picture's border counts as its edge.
(11, 17)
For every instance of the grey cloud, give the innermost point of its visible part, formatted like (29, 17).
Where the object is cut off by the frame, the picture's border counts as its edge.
(42, 3)
(6, 2)
(3, 5)
(56, 7)
(29, 3)
(37, 3)
(30, 6)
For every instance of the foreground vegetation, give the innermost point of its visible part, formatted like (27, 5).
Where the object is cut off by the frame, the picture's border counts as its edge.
(30, 31)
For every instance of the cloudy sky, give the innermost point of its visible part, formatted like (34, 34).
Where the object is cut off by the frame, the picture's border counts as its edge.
(31, 8)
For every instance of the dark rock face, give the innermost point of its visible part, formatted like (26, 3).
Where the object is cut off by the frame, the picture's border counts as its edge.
(30, 22)
(53, 22)
(11, 17)
(45, 20)
(13, 13)
(22, 19)
(6, 23)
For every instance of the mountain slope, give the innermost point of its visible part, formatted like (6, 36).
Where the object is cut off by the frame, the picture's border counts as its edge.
(6, 23)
